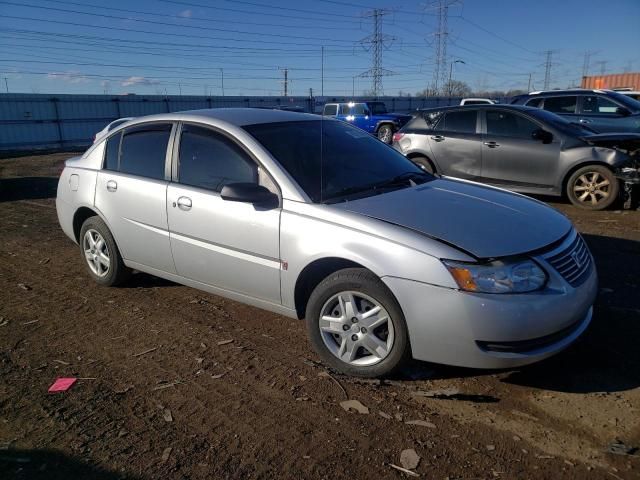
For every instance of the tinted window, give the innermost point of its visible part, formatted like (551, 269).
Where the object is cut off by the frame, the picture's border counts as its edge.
(378, 108)
(598, 105)
(344, 109)
(561, 104)
(359, 109)
(210, 160)
(508, 124)
(536, 102)
(144, 149)
(325, 158)
(330, 109)
(111, 153)
(463, 121)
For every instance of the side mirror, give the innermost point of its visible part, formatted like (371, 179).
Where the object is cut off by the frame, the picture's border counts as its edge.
(625, 112)
(248, 193)
(542, 135)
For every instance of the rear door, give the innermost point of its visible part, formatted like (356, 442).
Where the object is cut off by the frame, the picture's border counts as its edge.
(511, 157)
(565, 105)
(456, 144)
(230, 245)
(131, 193)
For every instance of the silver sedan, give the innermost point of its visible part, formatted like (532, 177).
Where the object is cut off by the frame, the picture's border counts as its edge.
(313, 218)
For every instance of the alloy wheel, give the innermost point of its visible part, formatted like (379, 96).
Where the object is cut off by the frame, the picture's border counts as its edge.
(96, 253)
(591, 188)
(356, 328)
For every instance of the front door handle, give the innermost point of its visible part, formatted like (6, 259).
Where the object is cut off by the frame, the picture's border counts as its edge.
(492, 144)
(184, 203)
(112, 186)
(584, 120)
(437, 138)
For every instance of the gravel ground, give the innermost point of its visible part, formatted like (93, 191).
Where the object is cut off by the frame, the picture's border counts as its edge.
(179, 384)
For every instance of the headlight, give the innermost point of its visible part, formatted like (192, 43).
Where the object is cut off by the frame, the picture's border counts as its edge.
(501, 276)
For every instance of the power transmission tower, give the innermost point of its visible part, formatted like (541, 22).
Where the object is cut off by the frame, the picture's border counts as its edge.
(376, 42)
(547, 69)
(441, 35)
(587, 62)
(285, 81)
(603, 66)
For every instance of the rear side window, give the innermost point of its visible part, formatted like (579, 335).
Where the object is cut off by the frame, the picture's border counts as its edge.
(561, 104)
(463, 121)
(330, 109)
(598, 105)
(536, 102)
(507, 124)
(112, 152)
(210, 160)
(143, 150)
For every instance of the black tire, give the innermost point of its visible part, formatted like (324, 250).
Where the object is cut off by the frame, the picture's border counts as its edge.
(117, 271)
(593, 187)
(358, 280)
(423, 163)
(385, 133)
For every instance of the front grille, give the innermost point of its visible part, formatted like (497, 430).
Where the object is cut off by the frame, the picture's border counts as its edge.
(574, 263)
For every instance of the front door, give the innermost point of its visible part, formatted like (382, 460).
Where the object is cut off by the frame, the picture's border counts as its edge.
(601, 114)
(131, 193)
(230, 245)
(511, 157)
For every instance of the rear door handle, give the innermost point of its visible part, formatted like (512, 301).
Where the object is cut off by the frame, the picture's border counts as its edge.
(584, 120)
(437, 138)
(492, 144)
(112, 186)
(184, 203)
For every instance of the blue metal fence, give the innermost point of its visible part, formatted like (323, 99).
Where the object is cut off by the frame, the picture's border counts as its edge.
(32, 121)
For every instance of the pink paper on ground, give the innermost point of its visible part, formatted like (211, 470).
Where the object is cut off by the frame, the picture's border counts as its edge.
(62, 384)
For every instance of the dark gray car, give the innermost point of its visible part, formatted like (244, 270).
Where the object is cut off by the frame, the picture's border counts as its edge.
(523, 149)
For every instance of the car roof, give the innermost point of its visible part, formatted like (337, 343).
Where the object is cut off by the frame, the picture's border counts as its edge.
(483, 106)
(568, 90)
(234, 116)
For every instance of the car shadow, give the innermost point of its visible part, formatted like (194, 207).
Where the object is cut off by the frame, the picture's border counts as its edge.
(27, 188)
(145, 280)
(607, 356)
(51, 465)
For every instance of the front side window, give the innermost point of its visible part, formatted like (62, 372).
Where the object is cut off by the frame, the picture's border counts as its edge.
(566, 104)
(328, 158)
(463, 121)
(507, 124)
(359, 109)
(598, 105)
(210, 160)
(143, 150)
(344, 109)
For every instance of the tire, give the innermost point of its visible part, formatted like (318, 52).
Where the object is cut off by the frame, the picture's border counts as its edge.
(593, 187)
(342, 336)
(385, 134)
(424, 164)
(104, 246)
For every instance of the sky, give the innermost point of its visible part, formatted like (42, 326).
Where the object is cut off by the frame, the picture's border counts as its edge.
(243, 47)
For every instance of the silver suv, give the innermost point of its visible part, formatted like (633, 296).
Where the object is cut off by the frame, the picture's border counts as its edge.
(313, 218)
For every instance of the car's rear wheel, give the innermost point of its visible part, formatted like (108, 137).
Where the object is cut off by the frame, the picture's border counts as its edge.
(385, 133)
(100, 253)
(593, 187)
(356, 325)
(423, 163)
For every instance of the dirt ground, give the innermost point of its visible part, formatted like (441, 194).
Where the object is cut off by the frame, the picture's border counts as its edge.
(179, 384)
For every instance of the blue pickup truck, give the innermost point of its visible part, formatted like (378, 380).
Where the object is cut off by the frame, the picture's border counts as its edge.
(372, 117)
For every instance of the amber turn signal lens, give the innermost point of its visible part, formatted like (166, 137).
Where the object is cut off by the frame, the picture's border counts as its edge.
(463, 278)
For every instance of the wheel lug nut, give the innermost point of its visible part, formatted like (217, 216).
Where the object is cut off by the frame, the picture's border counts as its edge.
(354, 337)
(354, 320)
(345, 327)
(363, 330)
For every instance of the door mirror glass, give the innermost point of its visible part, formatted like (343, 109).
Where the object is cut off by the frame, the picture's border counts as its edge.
(248, 193)
(542, 135)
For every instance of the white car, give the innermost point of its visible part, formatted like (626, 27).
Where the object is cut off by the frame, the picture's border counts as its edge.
(477, 101)
(116, 123)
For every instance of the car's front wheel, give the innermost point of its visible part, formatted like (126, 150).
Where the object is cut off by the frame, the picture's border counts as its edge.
(385, 133)
(100, 253)
(356, 325)
(593, 187)
(423, 163)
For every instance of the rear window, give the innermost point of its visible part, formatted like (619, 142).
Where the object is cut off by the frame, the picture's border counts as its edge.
(566, 104)
(463, 121)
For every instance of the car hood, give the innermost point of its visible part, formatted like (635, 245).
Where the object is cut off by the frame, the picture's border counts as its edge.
(629, 142)
(485, 222)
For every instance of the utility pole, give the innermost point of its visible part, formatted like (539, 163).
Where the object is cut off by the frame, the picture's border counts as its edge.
(322, 71)
(180, 88)
(587, 62)
(222, 78)
(529, 84)
(451, 72)
(441, 40)
(6, 84)
(353, 86)
(376, 42)
(547, 69)
(286, 82)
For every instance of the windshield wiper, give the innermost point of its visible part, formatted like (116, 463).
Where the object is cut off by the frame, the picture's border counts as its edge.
(407, 178)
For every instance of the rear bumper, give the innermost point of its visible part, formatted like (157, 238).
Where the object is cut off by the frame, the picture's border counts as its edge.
(492, 331)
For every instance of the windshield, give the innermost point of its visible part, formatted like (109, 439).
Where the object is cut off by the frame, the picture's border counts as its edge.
(333, 161)
(574, 129)
(377, 108)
